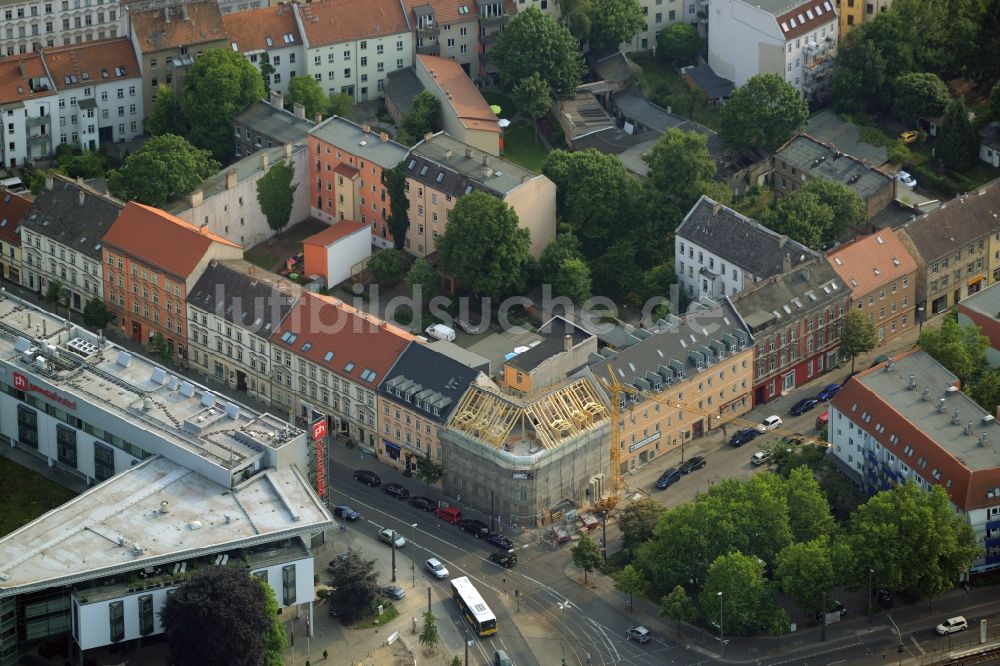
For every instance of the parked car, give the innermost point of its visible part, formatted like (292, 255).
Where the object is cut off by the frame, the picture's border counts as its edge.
(500, 541)
(449, 514)
(828, 392)
(394, 592)
(879, 360)
(367, 477)
(803, 406)
(692, 464)
(424, 503)
(395, 490)
(668, 478)
(391, 537)
(476, 528)
(772, 422)
(441, 332)
(469, 327)
(345, 512)
(438, 570)
(906, 180)
(743, 436)
(500, 658)
(951, 625)
(504, 559)
(834, 607)
(909, 136)
(884, 598)
(822, 421)
(760, 457)
(639, 634)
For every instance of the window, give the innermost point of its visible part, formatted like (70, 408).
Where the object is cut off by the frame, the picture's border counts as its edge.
(116, 620)
(288, 584)
(145, 614)
(66, 445)
(104, 462)
(27, 426)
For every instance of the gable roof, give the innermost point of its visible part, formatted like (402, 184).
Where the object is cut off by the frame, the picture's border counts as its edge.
(428, 382)
(352, 138)
(460, 93)
(157, 238)
(59, 214)
(444, 11)
(869, 262)
(173, 27)
(553, 341)
(803, 17)
(334, 232)
(13, 207)
(17, 74)
(251, 304)
(342, 339)
(279, 124)
(949, 227)
(262, 29)
(740, 241)
(989, 136)
(92, 63)
(451, 166)
(819, 160)
(335, 21)
(811, 287)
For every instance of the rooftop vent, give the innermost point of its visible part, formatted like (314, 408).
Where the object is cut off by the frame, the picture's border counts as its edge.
(940, 406)
(164, 506)
(911, 383)
(983, 439)
(124, 359)
(955, 419)
(926, 394)
(988, 419)
(967, 430)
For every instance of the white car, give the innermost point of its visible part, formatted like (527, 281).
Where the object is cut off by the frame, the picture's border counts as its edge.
(436, 569)
(392, 538)
(951, 625)
(906, 180)
(770, 423)
(760, 457)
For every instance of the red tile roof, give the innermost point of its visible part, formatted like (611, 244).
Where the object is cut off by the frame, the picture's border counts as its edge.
(12, 209)
(871, 261)
(15, 72)
(446, 11)
(806, 17)
(334, 233)
(158, 239)
(154, 32)
(345, 169)
(249, 31)
(359, 342)
(334, 21)
(460, 92)
(91, 63)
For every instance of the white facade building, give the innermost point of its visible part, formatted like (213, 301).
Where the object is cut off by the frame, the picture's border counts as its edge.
(27, 106)
(30, 25)
(268, 35)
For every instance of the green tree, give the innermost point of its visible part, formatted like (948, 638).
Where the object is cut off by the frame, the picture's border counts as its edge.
(355, 585)
(222, 616)
(266, 71)
(423, 273)
(847, 207)
(657, 283)
(276, 194)
(428, 471)
(745, 596)
(637, 522)
(778, 624)
(802, 216)
(57, 295)
(957, 140)
(533, 42)
(629, 581)
(340, 104)
(534, 98)
(919, 95)
(219, 84)
(987, 58)
(577, 16)
(306, 90)
(166, 116)
(77, 164)
(961, 349)
(616, 273)
(399, 204)
(483, 247)
(900, 154)
(764, 113)
(679, 607)
(424, 116)
(565, 246)
(913, 539)
(95, 313)
(387, 267)
(586, 555)
(808, 509)
(166, 167)
(857, 336)
(805, 573)
(159, 347)
(986, 390)
(573, 280)
(680, 43)
(429, 636)
(860, 78)
(615, 21)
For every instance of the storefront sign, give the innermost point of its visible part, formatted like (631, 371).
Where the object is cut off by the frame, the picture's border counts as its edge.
(319, 429)
(643, 442)
(21, 383)
(522, 476)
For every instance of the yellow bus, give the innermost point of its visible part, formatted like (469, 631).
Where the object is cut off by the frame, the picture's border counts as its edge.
(474, 609)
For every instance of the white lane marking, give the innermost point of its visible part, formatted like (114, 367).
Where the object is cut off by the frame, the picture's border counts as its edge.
(917, 645)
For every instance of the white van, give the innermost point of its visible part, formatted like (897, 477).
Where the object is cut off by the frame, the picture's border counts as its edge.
(13, 184)
(441, 332)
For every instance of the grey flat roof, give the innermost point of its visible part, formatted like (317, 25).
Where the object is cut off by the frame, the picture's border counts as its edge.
(281, 125)
(463, 160)
(553, 334)
(705, 78)
(82, 539)
(819, 161)
(351, 138)
(845, 137)
(986, 302)
(777, 7)
(402, 85)
(892, 387)
(639, 109)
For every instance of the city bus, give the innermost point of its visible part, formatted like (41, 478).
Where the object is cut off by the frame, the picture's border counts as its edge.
(474, 609)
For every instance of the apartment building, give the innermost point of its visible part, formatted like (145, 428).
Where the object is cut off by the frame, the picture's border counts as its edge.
(982, 309)
(689, 376)
(330, 358)
(441, 169)
(447, 29)
(906, 420)
(13, 208)
(266, 124)
(61, 239)
(347, 162)
(494, 15)
(882, 277)
(795, 320)
(27, 108)
(796, 40)
(660, 15)
(465, 114)
(100, 92)
(151, 261)
(351, 45)
(804, 158)
(31, 25)
(956, 247)
(563, 349)
(269, 35)
(168, 39)
(719, 252)
(855, 12)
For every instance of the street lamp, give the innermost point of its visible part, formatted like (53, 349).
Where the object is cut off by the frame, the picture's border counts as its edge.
(920, 320)
(413, 556)
(870, 572)
(899, 636)
(392, 540)
(562, 607)
(722, 639)
(517, 565)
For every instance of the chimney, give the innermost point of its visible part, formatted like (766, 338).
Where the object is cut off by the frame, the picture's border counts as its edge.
(488, 171)
(318, 118)
(805, 275)
(265, 162)
(486, 160)
(567, 342)
(428, 136)
(383, 137)
(786, 263)
(49, 182)
(82, 196)
(231, 179)
(782, 239)
(448, 154)
(366, 128)
(716, 207)
(196, 197)
(288, 150)
(21, 70)
(299, 111)
(468, 153)
(277, 100)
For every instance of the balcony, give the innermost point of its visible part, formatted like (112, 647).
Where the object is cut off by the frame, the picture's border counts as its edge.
(35, 121)
(39, 139)
(494, 20)
(429, 30)
(489, 40)
(433, 48)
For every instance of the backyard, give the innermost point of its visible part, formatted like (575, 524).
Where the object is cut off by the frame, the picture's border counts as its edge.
(664, 86)
(272, 253)
(521, 147)
(25, 495)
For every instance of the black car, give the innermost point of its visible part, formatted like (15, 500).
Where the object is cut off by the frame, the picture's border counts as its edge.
(500, 541)
(367, 477)
(884, 598)
(504, 559)
(345, 512)
(421, 502)
(395, 490)
(743, 436)
(668, 478)
(828, 392)
(697, 462)
(835, 607)
(803, 406)
(476, 528)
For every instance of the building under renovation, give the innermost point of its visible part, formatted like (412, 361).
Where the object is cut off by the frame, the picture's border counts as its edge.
(523, 459)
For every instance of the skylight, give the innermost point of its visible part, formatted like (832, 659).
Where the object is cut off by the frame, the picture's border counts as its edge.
(349, 367)
(328, 357)
(268, 41)
(306, 346)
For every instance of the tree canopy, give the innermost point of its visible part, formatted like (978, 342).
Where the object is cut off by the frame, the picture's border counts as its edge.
(637, 522)
(423, 274)
(166, 166)
(533, 42)
(399, 204)
(166, 116)
(276, 194)
(961, 349)
(815, 214)
(858, 335)
(679, 43)
(424, 116)
(763, 113)
(533, 97)
(630, 582)
(615, 21)
(340, 104)
(355, 585)
(745, 597)
(95, 313)
(387, 267)
(586, 555)
(572, 280)
(919, 95)
(805, 573)
(957, 139)
(307, 91)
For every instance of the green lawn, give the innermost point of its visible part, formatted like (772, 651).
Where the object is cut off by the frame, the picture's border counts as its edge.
(664, 86)
(25, 495)
(521, 148)
(389, 613)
